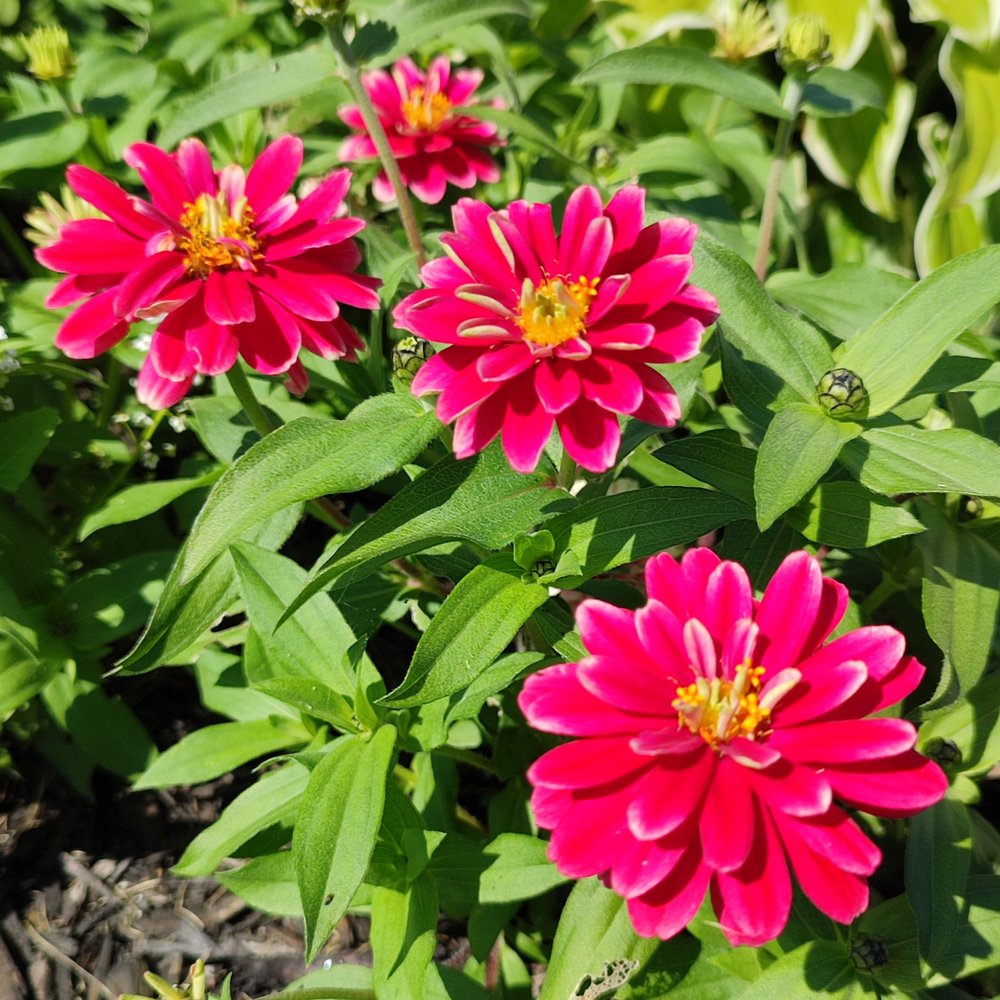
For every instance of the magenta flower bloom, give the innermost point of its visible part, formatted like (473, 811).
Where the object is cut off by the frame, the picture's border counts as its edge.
(231, 262)
(717, 740)
(557, 331)
(433, 142)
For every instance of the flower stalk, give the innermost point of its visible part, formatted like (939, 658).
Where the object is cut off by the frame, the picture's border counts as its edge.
(378, 136)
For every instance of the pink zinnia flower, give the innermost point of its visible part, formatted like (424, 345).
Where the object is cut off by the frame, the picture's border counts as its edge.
(560, 331)
(716, 736)
(231, 262)
(433, 142)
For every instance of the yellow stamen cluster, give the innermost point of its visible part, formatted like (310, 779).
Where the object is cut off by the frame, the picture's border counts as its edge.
(719, 710)
(217, 239)
(425, 110)
(556, 310)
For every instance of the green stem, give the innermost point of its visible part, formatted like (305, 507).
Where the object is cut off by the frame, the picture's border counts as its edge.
(251, 406)
(378, 136)
(110, 397)
(793, 99)
(567, 472)
(714, 114)
(886, 588)
(467, 757)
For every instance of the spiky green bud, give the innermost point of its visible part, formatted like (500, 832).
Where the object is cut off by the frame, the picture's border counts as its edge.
(50, 56)
(408, 357)
(805, 44)
(868, 953)
(742, 30)
(842, 393)
(319, 10)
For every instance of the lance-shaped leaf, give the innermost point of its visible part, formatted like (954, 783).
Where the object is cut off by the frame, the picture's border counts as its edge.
(304, 459)
(336, 829)
(404, 935)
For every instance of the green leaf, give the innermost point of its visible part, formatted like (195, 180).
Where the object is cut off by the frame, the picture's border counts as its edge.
(304, 459)
(938, 853)
(186, 611)
(22, 673)
(893, 924)
(311, 644)
(403, 937)
(336, 829)
(799, 446)
(675, 154)
(214, 750)
(831, 301)
(139, 501)
(893, 353)
(519, 869)
(687, 67)
(820, 968)
(848, 516)
(716, 458)
(608, 531)
(480, 500)
(973, 724)
(273, 799)
(40, 139)
(275, 81)
(594, 929)
(785, 356)
(267, 883)
(520, 125)
(311, 698)
(474, 625)
(960, 596)
(891, 460)
(25, 437)
(836, 93)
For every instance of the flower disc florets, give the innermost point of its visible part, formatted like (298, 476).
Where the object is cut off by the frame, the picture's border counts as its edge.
(227, 261)
(546, 330)
(716, 739)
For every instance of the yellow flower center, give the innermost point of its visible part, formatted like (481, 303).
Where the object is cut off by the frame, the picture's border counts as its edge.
(556, 310)
(216, 238)
(425, 111)
(719, 710)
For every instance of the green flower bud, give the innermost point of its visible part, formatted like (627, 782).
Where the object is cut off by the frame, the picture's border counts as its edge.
(321, 10)
(50, 56)
(868, 953)
(805, 44)
(408, 357)
(969, 508)
(944, 752)
(742, 30)
(842, 393)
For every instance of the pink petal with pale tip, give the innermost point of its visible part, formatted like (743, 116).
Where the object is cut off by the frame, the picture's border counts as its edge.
(893, 787)
(535, 221)
(195, 164)
(849, 742)
(789, 609)
(700, 649)
(148, 283)
(526, 427)
(839, 894)
(583, 207)
(821, 692)
(554, 701)
(664, 742)
(609, 293)
(498, 364)
(228, 298)
(92, 328)
(753, 902)
(622, 337)
(739, 647)
(273, 172)
(157, 392)
(587, 763)
(592, 253)
(162, 177)
(557, 385)
(751, 755)
(591, 435)
(836, 837)
(670, 793)
(271, 343)
(726, 826)
(670, 906)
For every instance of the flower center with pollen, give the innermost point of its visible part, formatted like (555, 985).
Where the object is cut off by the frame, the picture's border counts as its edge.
(425, 111)
(719, 710)
(556, 310)
(218, 239)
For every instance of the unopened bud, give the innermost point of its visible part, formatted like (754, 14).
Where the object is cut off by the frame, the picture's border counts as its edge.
(320, 10)
(842, 393)
(742, 30)
(45, 220)
(868, 953)
(805, 44)
(50, 56)
(944, 752)
(969, 508)
(408, 357)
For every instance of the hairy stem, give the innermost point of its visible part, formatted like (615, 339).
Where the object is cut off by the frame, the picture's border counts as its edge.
(378, 136)
(251, 405)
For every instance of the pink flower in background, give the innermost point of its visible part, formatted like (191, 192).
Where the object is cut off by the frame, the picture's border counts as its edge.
(232, 263)
(548, 330)
(433, 142)
(715, 737)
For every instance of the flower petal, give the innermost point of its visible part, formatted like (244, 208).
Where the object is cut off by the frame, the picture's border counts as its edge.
(273, 172)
